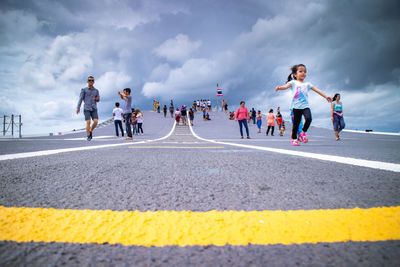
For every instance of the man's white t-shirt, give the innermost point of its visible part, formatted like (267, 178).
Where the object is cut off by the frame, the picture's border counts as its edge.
(118, 114)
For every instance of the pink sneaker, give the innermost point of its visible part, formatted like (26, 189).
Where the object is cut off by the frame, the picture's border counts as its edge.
(295, 143)
(303, 137)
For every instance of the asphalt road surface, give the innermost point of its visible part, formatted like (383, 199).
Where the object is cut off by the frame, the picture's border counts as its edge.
(200, 169)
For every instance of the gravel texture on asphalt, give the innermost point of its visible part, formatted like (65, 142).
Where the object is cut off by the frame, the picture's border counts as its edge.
(228, 178)
(323, 254)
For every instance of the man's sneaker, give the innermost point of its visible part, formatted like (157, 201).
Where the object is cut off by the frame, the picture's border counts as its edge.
(89, 138)
(294, 143)
(303, 137)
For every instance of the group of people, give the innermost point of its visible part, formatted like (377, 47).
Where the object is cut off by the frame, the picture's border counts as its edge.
(201, 105)
(132, 118)
(181, 115)
(136, 121)
(257, 117)
(299, 108)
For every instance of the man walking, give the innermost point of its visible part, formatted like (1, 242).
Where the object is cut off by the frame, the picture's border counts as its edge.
(90, 96)
(126, 96)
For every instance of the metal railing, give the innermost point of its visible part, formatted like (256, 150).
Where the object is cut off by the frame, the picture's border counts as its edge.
(11, 125)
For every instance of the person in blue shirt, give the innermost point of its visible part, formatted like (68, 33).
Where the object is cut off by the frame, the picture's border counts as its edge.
(337, 116)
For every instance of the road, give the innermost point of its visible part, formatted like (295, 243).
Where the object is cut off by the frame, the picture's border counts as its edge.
(199, 195)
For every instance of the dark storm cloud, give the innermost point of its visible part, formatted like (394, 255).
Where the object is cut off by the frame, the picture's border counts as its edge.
(181, 49)
(364, 35)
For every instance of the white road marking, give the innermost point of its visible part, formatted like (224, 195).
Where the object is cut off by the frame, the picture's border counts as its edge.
(344, 160)
(95, 137)
(254, 140)
(175, 142)
(364, 132)
(63, 150)
(58, 139)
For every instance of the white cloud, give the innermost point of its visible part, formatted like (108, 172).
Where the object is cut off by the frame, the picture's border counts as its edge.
(127, 15)
(111, 82)
(197, 77)
(177, 49)
(194, 77)
(54, 109)
(160, 73)
(48, 48)
(65, 60)
(7, 106)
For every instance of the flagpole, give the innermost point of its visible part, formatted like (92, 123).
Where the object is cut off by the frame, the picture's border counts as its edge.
(217, 98)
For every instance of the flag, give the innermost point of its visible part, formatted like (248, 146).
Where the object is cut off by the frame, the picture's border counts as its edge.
(219, 92)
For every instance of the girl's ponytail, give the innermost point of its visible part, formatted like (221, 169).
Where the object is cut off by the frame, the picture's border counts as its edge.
(290, 77)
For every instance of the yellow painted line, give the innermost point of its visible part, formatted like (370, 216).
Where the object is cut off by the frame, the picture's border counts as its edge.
(182, 134)
(208, 147)
(182, 142)
(187, 228)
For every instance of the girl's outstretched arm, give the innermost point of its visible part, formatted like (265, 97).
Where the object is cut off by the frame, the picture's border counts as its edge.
(321, 93)
(283, 87)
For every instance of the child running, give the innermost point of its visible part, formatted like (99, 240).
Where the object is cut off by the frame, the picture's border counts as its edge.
(259, 121)
(300, 124)
(300, 104)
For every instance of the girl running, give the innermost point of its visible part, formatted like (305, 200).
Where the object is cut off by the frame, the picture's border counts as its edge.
(259, 120)
(300, 124)
(270, 122)
(337, 116)
(300, 104)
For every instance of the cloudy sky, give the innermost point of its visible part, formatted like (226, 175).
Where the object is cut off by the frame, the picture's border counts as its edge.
(181, 49)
